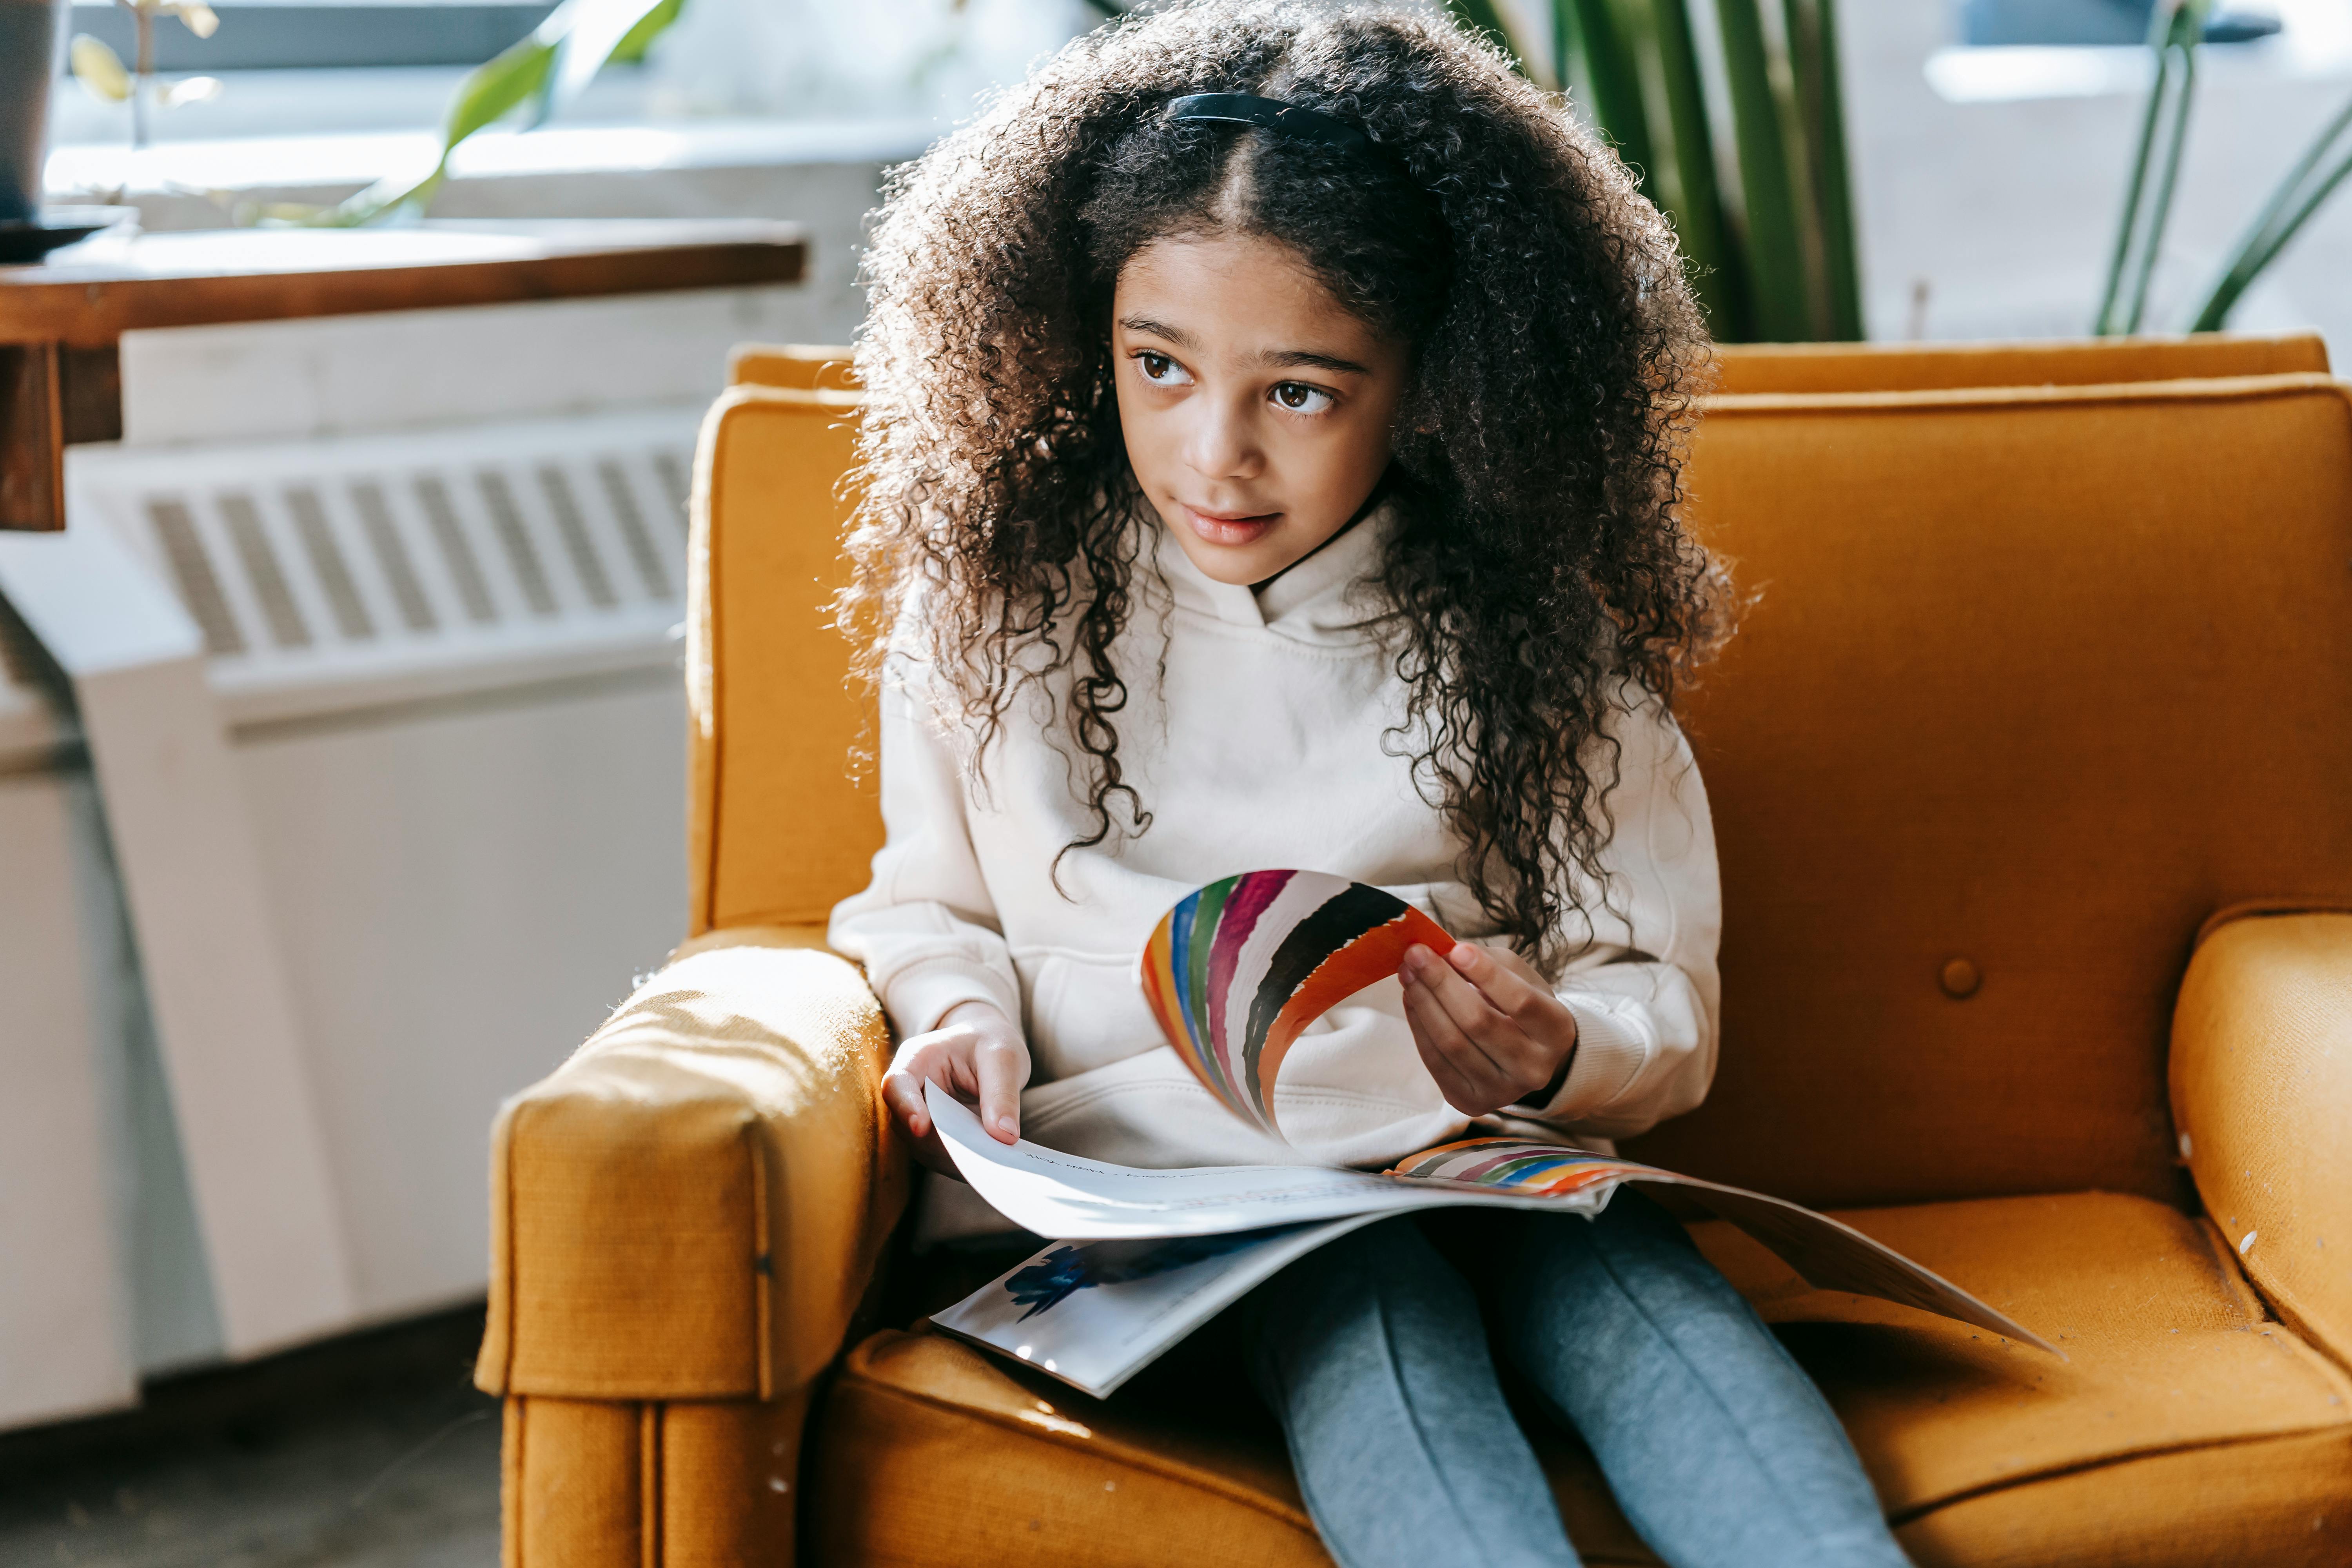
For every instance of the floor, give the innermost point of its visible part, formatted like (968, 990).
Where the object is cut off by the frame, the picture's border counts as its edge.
(371, 1451)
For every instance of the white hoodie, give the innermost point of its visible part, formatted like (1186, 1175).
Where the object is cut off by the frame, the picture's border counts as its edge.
(1261, 748)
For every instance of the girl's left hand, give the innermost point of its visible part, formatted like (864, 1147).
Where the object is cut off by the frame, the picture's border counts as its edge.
(1490, 1031)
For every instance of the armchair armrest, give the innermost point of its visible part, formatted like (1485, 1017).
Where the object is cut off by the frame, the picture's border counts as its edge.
(2262, 1095)
(691, 1206)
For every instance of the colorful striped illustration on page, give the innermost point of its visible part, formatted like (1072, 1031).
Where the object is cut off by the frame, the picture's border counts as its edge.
(1239, 968)
(1518, 1164)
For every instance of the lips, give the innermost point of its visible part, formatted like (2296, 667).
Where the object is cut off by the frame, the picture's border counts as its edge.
(1230, 528)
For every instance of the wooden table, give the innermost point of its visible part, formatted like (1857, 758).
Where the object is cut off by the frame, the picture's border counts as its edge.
(61, 320)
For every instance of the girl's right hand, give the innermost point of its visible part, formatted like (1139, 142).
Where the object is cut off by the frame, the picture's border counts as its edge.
(976, 1054)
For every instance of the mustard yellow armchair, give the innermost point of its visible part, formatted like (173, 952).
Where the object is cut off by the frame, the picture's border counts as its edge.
(2029, 774)
(1749, 368)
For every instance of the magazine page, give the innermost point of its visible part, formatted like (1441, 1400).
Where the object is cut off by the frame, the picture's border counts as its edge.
(1095, 1313)
(1236, 971)
(1073, 1199)
(1832, 1256)
(1828, 1253)
(1233, 974)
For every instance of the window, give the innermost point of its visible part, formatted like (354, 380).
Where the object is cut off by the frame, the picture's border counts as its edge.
(296, 34)
(2048, 22)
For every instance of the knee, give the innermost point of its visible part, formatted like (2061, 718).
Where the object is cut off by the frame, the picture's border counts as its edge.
(1557, 1250)
(1616, 1255)
(1365, 1270)
(1336, 1305)
(1634, 1219)
(1363, 1263)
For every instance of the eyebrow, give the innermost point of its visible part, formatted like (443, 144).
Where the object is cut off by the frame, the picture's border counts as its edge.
(1283, 359)
(1177, 335)
(1289, 359)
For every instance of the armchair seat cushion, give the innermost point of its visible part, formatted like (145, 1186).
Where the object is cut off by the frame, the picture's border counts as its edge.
(2187, 1428)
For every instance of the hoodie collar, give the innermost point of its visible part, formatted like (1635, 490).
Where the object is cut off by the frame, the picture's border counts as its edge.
(1310, 601)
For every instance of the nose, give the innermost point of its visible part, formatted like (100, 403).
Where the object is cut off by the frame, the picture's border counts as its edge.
(1223, 441)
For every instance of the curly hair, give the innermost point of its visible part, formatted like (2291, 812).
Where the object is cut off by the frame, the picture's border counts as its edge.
(1540, 575)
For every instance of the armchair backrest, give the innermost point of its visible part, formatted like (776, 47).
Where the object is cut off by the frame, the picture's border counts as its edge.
(2036, 680)
(778, 826)
(2072, 361)
(801, 367)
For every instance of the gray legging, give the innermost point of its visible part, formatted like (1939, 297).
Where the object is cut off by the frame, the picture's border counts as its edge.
(1720, 1450)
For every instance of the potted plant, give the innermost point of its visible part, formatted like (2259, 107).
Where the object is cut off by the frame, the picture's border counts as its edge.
(101, 70)
(28, 53)
(28, 64)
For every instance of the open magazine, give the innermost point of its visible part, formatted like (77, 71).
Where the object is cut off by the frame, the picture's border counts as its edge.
(1234, 972)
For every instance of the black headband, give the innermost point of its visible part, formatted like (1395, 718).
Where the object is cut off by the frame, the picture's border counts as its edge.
(1270, 114)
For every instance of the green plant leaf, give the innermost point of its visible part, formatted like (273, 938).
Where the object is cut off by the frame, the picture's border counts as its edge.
(2174, 29)
(631, 49)
(2303, 212)
(1776, 259)
(1481, 18)
(2160, 215)
(99, 69)
(2290, 205)
(491, 92)
(382, 198)
(496, 88)
(1719, 266)
(1821, 108)
(1618, 106)
(584, 34)
(569, 47)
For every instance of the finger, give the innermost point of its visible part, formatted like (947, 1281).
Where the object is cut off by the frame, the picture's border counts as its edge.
(1003, 1068)
(1527, 999)
(1463, 1071)
(902, 1091)
(1512, 986)
(1456, 1090)
(924, 1059)
(1510, 1061)
(1492, 1034)
(1505, 987)
(1511, 959)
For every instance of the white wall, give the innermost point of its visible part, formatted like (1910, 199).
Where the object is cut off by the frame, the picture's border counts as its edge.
(412, 369)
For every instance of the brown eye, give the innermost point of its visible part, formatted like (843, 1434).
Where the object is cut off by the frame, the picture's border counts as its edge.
(1300, 398)
(1160, 370)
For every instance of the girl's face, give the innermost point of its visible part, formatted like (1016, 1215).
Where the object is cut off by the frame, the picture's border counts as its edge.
(1255, 406)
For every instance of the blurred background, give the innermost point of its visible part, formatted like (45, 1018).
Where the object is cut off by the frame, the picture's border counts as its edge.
(461, 849)
(1991, 140)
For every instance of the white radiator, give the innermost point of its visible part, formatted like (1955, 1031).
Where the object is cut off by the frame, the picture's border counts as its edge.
(390, 734)
(376, 569)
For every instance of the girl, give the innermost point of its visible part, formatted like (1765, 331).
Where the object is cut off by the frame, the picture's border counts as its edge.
(1273, 460)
